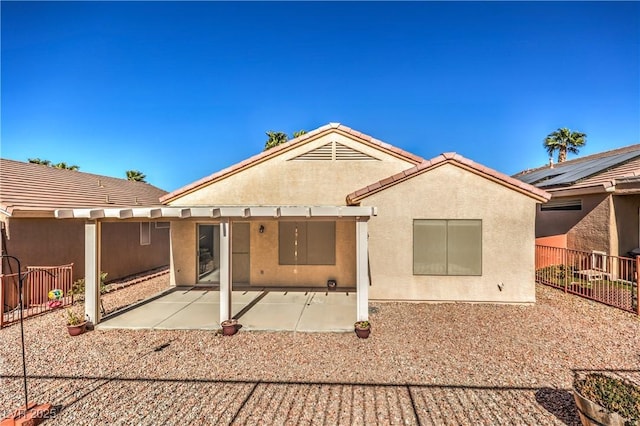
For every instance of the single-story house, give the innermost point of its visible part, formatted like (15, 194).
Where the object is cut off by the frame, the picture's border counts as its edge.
(595, 202)
(29, 195)
(338, 205)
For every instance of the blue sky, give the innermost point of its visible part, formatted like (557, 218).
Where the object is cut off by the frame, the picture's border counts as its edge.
(182, 90)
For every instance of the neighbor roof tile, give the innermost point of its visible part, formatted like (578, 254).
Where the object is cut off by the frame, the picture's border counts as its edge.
(28, 186)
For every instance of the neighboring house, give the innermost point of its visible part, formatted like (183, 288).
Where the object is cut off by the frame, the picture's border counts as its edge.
(336, 204)
(595, 202)
(29, 195)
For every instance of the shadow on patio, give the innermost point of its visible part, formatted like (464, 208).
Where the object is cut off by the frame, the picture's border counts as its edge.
(274, 309)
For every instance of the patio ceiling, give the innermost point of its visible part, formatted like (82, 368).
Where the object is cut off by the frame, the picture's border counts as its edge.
(215, 212)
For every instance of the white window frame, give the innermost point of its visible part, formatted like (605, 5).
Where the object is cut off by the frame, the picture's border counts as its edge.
(145, 233)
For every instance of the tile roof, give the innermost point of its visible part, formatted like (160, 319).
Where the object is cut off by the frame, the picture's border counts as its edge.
(273, 152)
(455, 159)
(588, 171)
(35, 187)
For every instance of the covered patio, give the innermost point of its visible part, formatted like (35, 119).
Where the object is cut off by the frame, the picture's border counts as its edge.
(266, 309)
(197, 306)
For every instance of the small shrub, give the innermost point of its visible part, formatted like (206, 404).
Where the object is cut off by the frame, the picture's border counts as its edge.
(362, 324)
(78, 286)
(73, 318)
(614, 394)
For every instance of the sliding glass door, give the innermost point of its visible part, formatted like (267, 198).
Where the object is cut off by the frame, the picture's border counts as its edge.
(208, 256)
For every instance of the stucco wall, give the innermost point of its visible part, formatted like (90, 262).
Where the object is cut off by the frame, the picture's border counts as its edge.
(559, 222)
(592, 229)
(559, 241)
(626, 209)
(183, 252)
(278, 181)
(48, 242)
(449, 192)
(264, 267)
(122, 253)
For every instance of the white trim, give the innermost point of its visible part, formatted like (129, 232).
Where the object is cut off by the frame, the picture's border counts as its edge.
(145, 233)
(92, 236)
(362, 271)
(215, 212)
(225, 269)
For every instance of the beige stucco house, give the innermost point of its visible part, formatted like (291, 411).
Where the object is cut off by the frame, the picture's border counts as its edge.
(595, 202)
(336, 204)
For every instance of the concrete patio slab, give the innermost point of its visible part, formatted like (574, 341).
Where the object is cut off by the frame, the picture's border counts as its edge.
(327, 318)
(272, 316)
(181, 296)
(145, 316)
(263, 309)
(195, 315)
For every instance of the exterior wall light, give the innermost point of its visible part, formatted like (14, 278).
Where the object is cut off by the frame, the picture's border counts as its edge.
(261, 229)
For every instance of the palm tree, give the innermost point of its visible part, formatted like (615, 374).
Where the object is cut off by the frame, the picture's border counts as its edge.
(564, 140)
(39, 161)
(275, 139)
(136, 176)
(64, 166)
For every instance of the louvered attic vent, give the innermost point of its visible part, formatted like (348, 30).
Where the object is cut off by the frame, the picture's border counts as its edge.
(334, 151)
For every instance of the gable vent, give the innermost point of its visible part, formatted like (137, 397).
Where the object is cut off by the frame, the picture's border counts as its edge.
(334, 151)
(325, 152)
(344, 152)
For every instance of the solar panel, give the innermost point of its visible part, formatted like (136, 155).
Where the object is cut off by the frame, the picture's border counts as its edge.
(539, 175)
(567, 174)
(587, 168)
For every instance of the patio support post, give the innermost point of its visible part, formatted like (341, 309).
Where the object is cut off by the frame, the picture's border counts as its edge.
(92, 236)
(225, 269)
(362, 270)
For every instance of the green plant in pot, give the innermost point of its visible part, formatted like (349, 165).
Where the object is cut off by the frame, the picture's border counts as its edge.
(363, 329)
(604, 399)
(76, 324)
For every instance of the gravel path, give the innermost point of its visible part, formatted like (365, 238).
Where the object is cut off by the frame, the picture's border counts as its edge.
(423, 364)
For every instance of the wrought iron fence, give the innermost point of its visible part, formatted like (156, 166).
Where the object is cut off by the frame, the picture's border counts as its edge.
(38, 282)
(612, 280)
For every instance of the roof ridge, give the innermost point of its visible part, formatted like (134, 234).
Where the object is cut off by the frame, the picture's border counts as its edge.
(31, 186)
(273, 152)
(59, 170)
(444, 158)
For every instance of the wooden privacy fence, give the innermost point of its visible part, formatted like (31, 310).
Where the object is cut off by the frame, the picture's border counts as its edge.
(611, 280)
(37, 283)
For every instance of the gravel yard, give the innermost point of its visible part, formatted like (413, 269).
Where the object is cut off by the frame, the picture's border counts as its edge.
(423, 364)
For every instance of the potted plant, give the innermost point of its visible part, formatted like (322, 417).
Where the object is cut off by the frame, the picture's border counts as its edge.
(229, 327)
(75, 323)
(363, 328)
(603, 399)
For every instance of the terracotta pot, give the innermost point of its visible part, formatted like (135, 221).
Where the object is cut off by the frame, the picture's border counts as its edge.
(362, 332)
(229, 327)
(75, 330)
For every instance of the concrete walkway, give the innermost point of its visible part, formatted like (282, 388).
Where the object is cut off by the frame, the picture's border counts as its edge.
(262, 309)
